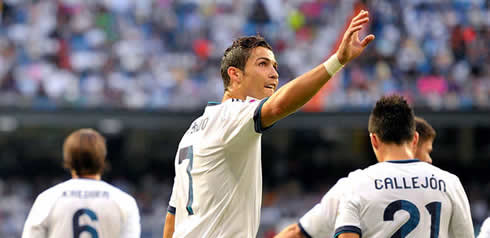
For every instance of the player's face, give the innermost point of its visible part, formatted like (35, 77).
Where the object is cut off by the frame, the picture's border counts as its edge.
(423, 151)
(260, 77)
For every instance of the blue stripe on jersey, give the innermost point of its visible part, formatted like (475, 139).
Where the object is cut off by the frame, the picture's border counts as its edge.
(171, 210)
(257, 118)
(213, 103)
(348, 229)
(403, 161)
(304, 231)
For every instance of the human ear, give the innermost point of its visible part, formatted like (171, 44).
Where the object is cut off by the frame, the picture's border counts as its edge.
(374, 140)
(415, 142)
(235, 74)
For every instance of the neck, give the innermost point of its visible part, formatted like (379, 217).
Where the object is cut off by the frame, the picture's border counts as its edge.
(395, 152)
(229, 95)
(85, 176)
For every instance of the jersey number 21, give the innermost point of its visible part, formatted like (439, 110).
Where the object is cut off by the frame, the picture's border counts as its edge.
(434, 209)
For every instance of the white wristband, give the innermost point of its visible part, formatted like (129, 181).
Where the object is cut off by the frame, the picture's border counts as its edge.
(333, 65)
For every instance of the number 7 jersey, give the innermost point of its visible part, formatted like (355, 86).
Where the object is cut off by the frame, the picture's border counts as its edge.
(217, 188)
(405, 198)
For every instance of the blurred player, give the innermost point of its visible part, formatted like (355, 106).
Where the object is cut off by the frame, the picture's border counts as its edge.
(218, 184)
(427, 134)
(485, 229)
(320, 220)
(401, 196)
(83, 206)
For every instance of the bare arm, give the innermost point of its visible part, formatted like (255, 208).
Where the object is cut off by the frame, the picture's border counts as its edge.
(299, 91)
(292, 231)
(348, 235)
(168, 230)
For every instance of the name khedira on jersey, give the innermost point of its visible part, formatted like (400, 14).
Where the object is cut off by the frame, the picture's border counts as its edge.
(86, 194)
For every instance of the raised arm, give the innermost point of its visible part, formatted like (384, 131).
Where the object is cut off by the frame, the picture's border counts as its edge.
(299, 91)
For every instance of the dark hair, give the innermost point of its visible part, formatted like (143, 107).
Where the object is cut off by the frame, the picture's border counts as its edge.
(425, 130)
(84, 151)
(238, 53)
(392, 119)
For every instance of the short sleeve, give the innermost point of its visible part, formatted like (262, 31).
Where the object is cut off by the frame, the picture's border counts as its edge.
(258, 118)
(35, 225)
(461, 221)
(132, 228)
(348, 219)
(242, 118)
(320, 220)
(172, 204)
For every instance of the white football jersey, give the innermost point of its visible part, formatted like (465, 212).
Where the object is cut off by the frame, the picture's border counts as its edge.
(218, 184)
(319, 222)
(81, 208)
(485, 229)
(406, 198)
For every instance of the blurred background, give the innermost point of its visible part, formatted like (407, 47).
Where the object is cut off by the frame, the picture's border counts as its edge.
(140, 71)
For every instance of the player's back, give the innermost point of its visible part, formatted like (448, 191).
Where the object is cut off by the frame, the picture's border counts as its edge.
(405, 198)
(218, 184)
(80, 207)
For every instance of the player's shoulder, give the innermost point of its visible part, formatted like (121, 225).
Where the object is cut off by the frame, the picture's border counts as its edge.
(237, 103)
(342, 181)
(51, 193)
(116, 192)
(229, 108)
(338, 188)
(237, 109)
(440, 172)
(355, 176)
(245, 101)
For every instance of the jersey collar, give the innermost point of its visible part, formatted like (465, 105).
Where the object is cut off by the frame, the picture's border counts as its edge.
(213, 103)
(403, 161)
(247, 99)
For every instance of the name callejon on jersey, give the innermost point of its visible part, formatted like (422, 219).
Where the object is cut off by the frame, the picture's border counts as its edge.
(406, 198)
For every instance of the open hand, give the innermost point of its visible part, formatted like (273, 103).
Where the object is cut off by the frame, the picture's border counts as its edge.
(351, 46)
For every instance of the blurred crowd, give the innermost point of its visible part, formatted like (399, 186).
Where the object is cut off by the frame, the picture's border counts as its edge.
(165, 54)
(282, 205)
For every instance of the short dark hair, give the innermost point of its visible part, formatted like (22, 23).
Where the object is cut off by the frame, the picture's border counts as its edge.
(425, 130)
(392, 120)
(84, 152)
(238, 53)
